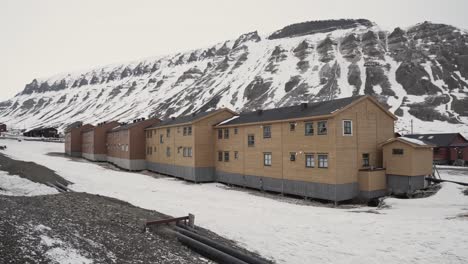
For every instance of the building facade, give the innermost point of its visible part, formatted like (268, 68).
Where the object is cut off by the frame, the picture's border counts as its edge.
(93, 141)
(313, 150)
(448, 147)
(126, 144)
(184, 146)
(73, 139)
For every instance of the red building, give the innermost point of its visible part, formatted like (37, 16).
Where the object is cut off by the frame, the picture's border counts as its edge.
(449, 146)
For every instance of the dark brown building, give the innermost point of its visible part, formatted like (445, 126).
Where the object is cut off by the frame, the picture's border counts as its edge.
(73, 139)
(93, 141)
(448, 147)
(126, 144)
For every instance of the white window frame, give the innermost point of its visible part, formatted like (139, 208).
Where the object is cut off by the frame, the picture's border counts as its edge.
(343, 124)
(267, 161)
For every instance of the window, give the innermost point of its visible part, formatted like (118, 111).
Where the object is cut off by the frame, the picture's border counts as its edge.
(235, 131)
(267, 159)
(310, 161)
(154, 149)
(226, 156)
(347, 127)
(365, 160)
(251, 140)
(161, 140)
(323, 161)
(178, 150)
(220, 134)
(266, 131)
(168, 151)
(236, 155)
(292, 126)
(309, 129)
(178, 130)
(436, 150)
(292, 156)
(397, 151)
(226, 133)
(187, 131)
(220, 156)
(187, 152)
(168, 132)
(322, 128)
(149, 150)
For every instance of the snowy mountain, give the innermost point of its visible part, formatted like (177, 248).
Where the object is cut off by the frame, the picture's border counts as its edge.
(420, 73)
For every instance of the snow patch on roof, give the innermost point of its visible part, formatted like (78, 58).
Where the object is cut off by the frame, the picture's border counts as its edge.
(414, 141)
(228, 120)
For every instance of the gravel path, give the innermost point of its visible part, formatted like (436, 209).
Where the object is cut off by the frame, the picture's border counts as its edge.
(42, 229)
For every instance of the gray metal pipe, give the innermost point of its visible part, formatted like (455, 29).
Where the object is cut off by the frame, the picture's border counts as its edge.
(208, 251)
(228, 250)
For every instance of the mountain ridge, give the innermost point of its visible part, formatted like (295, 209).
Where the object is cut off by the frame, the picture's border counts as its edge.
(419, 72)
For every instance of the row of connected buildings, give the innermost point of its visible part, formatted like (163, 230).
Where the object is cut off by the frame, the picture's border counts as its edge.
(334, 150)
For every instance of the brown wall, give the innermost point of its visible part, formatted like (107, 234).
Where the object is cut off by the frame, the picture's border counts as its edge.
(73, 139)
(413, 162)
(94, 141)
(371, 126)
(372, 180)
(129, 143)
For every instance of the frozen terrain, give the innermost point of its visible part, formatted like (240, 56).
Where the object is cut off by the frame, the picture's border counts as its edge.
(426, 230)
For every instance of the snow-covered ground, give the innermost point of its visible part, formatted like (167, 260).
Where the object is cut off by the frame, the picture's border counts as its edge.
(14, 185)
(424, 230)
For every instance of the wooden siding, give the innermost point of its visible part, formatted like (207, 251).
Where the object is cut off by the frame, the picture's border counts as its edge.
(202, 134)
(371, 126)
(413, 162)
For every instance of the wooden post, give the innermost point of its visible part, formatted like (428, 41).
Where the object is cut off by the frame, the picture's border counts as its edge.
(191, 220)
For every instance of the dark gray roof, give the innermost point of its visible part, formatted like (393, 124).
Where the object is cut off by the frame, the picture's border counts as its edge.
(183, 119)
(440, 140)
(128, 126)
(291, 112)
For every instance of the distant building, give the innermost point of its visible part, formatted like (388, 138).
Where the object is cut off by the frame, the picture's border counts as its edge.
(448, 147)
(93, 141)
(73, 139)
(47, 132)
(3, 127)
(126, 144)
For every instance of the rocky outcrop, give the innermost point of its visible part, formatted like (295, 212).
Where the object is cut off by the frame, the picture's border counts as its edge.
(322, 26)
(422, 71)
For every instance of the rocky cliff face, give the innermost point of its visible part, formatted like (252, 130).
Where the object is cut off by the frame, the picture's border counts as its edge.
(420, 73)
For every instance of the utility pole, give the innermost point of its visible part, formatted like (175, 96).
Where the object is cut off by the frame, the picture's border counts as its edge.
(411, 126)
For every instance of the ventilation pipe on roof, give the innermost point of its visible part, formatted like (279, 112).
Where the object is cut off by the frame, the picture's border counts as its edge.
(173, 118)
(303, 106)
(259, 112)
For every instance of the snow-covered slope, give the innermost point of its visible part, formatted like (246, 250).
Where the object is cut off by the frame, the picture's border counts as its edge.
(421, 73)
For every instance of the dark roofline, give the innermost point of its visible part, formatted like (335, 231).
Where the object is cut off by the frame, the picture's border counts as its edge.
(189, 119)
(323, 109)
(133, 124)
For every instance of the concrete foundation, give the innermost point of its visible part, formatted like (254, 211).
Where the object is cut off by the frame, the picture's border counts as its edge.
(372, 194)
(333, 192)
(94, 157)
(398, 184)
(127, 164)
(195, 174)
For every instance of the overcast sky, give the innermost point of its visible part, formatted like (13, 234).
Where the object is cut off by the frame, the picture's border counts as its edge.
(42, 38)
